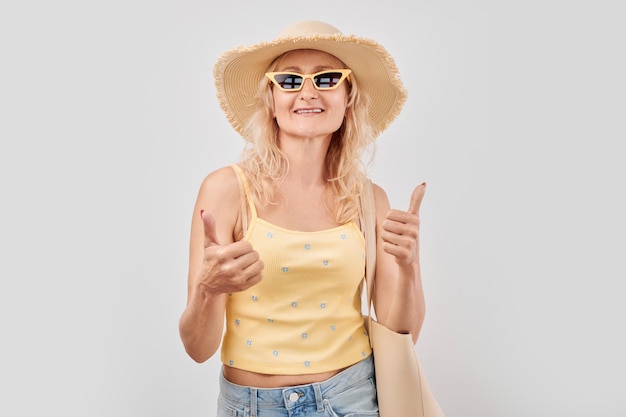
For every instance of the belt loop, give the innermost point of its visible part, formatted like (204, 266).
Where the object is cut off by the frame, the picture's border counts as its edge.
(318, 396)
(253, 398)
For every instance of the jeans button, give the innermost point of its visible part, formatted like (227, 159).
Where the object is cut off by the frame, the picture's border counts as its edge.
(293, 397)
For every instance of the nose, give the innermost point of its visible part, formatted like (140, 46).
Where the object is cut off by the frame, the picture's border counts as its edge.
(308, 90)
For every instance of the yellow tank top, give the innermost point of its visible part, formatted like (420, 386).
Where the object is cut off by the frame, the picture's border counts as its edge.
(305, 315)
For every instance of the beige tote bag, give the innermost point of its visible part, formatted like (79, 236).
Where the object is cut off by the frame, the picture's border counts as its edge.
(400, 381)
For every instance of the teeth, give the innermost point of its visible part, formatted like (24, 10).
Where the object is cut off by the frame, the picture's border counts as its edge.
(309, 111)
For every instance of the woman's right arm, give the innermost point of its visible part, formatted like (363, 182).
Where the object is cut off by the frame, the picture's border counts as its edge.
(218, 264)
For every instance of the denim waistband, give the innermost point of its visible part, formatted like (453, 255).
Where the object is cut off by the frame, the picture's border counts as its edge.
(300, 395)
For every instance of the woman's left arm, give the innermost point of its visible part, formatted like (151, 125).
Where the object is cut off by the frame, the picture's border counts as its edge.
(398, 296)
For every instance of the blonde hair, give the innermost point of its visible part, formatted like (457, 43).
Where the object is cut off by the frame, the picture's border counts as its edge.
(350, 151)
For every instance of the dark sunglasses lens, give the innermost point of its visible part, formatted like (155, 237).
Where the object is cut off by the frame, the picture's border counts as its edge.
(288, 81)
(328, 79)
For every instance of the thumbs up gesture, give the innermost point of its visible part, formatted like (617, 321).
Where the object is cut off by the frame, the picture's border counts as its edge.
(400, 230)
(227, 268)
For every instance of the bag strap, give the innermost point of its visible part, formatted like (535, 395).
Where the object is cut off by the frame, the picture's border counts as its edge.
(368, 226)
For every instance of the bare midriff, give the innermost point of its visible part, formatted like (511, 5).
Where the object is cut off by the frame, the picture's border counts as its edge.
(254, 379)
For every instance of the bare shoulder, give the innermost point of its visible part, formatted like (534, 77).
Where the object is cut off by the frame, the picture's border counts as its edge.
(221, 184)
(381, 199)
(219, 195)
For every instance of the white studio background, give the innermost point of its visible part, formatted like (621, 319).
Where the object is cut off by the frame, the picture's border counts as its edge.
(108, 123)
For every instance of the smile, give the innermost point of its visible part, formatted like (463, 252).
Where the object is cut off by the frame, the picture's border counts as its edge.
(304, 111)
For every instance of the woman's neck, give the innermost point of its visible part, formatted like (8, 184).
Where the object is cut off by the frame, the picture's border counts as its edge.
(307, 161)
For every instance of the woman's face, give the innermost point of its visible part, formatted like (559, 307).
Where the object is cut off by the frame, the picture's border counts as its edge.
(309, 113)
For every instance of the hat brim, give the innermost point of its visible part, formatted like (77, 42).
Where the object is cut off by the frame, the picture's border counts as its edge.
(237, 74)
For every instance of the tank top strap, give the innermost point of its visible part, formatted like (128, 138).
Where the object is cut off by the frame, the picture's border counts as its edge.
(245, 197)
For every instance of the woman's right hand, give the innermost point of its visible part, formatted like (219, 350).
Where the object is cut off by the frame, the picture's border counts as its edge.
(226, 268)
(219, 263)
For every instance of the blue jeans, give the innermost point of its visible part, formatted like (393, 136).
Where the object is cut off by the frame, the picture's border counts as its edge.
(350, 393)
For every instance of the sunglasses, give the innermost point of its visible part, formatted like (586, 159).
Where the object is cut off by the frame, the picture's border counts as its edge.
(323, 80)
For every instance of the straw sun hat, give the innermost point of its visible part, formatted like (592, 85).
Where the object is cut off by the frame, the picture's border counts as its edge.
(238, 72)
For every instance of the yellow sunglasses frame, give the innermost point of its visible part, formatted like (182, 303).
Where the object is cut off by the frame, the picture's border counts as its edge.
(344, 75)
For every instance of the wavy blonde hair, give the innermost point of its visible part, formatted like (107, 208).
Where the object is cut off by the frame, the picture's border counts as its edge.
(350, 151)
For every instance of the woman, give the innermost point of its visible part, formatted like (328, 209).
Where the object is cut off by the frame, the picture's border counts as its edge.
(276, 251)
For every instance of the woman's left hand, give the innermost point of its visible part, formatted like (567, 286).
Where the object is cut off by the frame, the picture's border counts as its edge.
(400, 232)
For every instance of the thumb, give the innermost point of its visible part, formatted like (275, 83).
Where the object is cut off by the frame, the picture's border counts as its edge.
(210, 234)
(416, 198)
